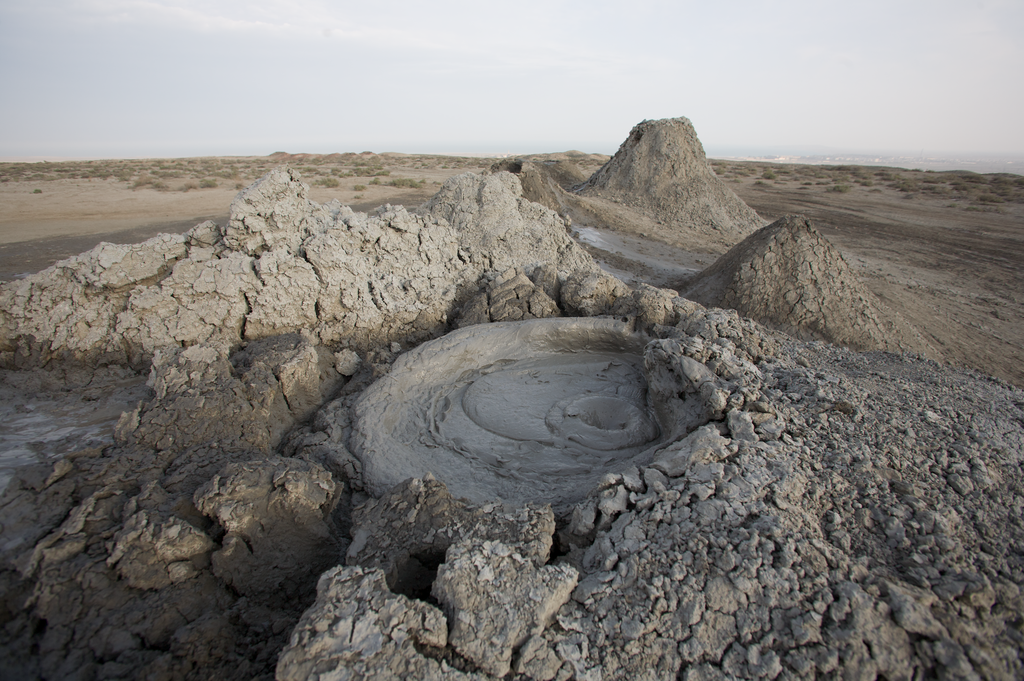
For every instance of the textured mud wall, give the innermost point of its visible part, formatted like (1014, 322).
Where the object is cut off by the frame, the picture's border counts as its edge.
(284, 264)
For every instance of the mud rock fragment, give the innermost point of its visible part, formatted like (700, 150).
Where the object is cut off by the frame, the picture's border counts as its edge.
(286, 301)
(486, 564)
(702, 446)
(537, 660)
(201, 301)
(114, 266)
(273, 212)
(511, 297)
(686, 393)
(72, 307)
(651, 306)
(273, 512)
(592, 294)
(358, 629)
(741, 426)
(347, 362)
(495, 599)
(151, 553)
(407, 532)
(258, 393)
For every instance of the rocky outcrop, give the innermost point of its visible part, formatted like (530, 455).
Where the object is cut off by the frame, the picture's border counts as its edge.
(260, 393)
(787, 275)
(513, 296)
(485, 564)
(284, 264)
(358, 629)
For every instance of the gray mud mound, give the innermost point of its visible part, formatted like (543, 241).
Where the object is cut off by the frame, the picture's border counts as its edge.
(659, 185)
(661, 172)
(787, 275)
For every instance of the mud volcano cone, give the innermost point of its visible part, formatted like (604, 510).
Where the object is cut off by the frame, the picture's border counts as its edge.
(789, 276)
(661, 171)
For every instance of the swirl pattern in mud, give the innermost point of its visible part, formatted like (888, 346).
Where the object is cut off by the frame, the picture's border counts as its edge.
(522, 411)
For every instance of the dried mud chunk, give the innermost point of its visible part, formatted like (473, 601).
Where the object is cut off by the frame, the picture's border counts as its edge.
(592, 294)
(510, 297)
(407, 532)
(496, 599)
(151, 552)
(274, 514)
(358, 629)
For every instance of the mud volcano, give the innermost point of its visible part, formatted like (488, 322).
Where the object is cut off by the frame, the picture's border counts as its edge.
(521, 411)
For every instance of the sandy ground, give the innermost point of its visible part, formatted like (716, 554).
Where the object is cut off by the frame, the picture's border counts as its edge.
(945, 250)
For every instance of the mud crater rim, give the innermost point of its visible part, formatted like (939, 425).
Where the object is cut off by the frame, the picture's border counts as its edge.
(522, 411)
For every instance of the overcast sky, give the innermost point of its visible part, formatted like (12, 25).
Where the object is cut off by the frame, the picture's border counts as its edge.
(120, 78)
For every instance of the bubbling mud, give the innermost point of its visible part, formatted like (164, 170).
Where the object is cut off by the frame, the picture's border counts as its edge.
(522, 411)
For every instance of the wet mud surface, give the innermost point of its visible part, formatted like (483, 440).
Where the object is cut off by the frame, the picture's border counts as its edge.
(531, 411)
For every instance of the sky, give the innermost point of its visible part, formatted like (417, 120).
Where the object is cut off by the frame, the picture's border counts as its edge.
(174, 78)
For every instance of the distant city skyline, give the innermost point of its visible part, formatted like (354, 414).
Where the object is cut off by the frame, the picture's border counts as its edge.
(174, 78)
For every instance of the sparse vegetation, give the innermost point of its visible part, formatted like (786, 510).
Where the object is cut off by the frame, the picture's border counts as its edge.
(985, 192)
(407, 183)
(964, 189)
